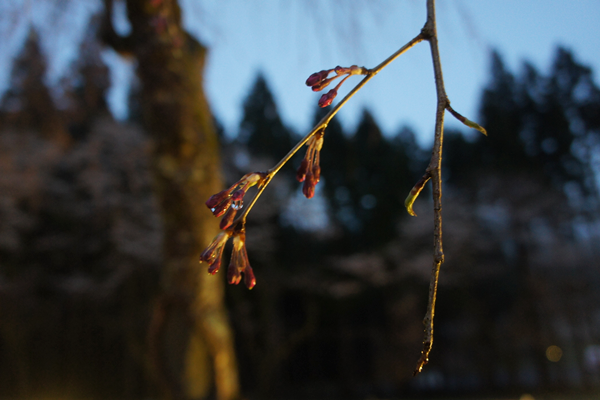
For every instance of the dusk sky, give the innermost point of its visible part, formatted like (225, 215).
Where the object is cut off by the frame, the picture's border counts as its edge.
(289, 40)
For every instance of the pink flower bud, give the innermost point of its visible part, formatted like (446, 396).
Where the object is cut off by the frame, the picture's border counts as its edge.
(327, 98)
(302, 169)
(239, 261)
(218, 198)
(317, 77)
(341, 70)
(316, 172)
(227, 220)
(214, 252)
(249, 279)
(322, 85)
(308, 189)
(217, 245)
(237, 198)
(221, 208)
(234, 275)
(214, 267)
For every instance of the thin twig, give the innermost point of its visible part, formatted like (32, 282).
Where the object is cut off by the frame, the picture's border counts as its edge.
(435, 171)
(322, 124)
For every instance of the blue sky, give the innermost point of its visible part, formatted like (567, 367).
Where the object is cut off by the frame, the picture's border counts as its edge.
(288, 40)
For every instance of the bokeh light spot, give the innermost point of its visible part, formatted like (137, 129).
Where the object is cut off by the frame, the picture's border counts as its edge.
(554, 353)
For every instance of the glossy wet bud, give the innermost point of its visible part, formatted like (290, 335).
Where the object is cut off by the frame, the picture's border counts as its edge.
(218, 198)
(228, 218)
(221, 208)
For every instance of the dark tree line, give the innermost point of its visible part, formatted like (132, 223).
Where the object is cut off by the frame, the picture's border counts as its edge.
(342, 277)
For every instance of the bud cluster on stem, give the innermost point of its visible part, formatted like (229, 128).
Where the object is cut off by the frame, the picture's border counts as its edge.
(309, 171)
(228, 202)
(319, 81)
(239, 263)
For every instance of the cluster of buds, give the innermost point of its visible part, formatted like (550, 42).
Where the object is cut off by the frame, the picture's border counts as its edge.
(309, 171)
(239, 258)
(227, 202)
(319, 80)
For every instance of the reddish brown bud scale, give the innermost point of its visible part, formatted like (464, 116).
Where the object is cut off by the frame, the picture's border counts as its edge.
(221, 208)
(214, 267)
(234, 276)
(316, 172)
(308, 189)
(302, 169)
(249, 279)
(327, 98)
(239, 263)
(228, 218)
(313, 79)
(214, 252)
(238, 195)
(322, 85)
(216, 199)
(317, 77)
(207, 255)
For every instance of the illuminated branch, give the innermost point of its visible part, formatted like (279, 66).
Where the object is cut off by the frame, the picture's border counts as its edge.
(229, 202)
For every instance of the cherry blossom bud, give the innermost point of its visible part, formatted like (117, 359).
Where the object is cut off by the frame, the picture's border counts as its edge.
(302, 169)
(316, 172)
(218, 198)
(308, 189)
(327, 98)
(249, 279)
(234, 275)
(214, 267)
(237, 198)
(239, 260)
(317, 77)
(221, 208)
(214, 252)
(341, 70)
(228, 218)
(322, 85)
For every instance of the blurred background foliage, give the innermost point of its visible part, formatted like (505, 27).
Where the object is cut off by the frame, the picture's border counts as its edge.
(342, 278)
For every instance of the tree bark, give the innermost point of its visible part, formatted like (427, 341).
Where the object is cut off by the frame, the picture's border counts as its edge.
(190, 339)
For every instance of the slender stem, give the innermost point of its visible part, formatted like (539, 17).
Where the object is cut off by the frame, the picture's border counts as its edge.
(322, 124)
(435, 170)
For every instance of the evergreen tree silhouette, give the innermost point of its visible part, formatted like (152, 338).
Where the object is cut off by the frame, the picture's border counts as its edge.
(28, 98)
(261, 128)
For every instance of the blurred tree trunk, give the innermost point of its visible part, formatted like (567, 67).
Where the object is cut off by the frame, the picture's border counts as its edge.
(191, 342)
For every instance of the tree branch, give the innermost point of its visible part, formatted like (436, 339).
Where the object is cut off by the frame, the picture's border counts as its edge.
(221, 201)
(322, 124)
(435, 171)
